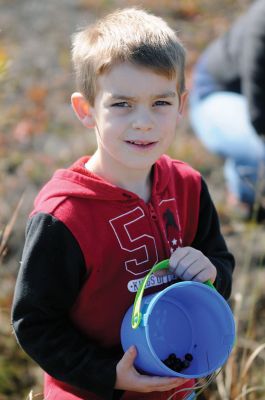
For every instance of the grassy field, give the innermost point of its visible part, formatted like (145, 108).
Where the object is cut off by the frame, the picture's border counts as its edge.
(38, 133)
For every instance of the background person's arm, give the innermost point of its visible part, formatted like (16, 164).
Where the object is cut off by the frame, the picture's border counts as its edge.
(252, 65)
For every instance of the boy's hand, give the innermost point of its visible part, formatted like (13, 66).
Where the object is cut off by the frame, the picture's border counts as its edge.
(128, 378)
(190, 264)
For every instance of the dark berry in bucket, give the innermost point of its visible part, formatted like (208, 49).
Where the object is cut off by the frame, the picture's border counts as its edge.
(176, 364)
(168, 363)
(185, 364)
(188, 357)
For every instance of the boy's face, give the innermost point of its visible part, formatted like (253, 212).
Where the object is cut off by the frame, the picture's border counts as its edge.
(135, 115)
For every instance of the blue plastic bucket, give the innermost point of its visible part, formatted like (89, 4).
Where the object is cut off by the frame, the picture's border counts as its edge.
(187, 317)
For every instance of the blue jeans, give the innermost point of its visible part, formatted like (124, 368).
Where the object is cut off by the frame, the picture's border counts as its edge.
(192, 396)
(221, 123)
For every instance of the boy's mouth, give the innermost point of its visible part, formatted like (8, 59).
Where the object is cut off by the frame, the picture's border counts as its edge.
(140, 143)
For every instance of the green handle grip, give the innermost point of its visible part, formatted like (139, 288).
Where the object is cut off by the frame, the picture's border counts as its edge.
(136, 314)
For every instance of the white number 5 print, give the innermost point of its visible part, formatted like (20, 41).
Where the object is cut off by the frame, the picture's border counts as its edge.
(141, 247)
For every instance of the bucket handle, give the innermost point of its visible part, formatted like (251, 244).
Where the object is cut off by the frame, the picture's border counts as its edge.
(136, 314)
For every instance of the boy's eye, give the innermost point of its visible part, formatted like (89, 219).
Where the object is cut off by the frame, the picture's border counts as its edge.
(122, 104)
(162, 103)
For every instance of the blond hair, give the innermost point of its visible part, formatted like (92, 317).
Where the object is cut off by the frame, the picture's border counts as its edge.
(127, 35)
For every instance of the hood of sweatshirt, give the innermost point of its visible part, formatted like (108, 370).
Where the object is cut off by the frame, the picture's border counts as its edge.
(77, 181)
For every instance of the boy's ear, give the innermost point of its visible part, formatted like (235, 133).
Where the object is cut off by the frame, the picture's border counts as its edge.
(183, 101)
(83, 110)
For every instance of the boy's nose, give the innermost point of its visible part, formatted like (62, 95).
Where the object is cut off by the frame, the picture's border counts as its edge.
(142, 121)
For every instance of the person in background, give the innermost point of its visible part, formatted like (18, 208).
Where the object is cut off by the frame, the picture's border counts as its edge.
(227, 107)
(100, 225)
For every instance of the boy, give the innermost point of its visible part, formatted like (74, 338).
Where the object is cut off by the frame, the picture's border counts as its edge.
(98, 227)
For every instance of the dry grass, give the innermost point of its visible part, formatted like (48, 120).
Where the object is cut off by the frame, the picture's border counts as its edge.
(6, 231)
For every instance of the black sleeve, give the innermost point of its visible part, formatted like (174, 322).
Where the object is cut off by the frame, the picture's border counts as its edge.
(252, 65)
(210, 242)
(50, 277)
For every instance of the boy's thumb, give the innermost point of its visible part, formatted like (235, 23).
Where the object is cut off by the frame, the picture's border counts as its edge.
(129, 355)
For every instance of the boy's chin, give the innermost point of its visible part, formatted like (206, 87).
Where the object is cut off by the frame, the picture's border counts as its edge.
(144, 165)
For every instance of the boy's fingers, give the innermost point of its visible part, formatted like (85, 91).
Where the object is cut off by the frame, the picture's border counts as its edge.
(204, 276)
(129, 357)
(191, 271)
(163, 272)
(179, 254)
(181, 262)
(161, 383)
(143, 383)
(191, 264)
(201, 277)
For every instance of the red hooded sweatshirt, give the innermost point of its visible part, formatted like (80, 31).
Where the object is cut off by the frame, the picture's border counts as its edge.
(120, 238)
